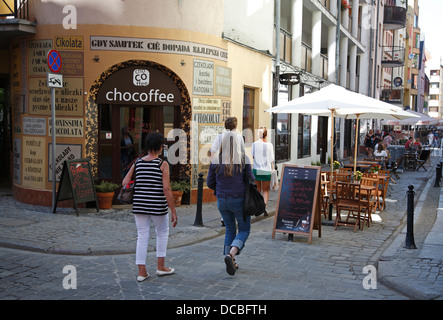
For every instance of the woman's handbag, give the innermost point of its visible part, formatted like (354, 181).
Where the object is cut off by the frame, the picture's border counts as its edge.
(126, 193)
(254, 204)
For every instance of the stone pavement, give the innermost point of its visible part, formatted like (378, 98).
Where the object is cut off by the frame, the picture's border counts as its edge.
(338, 265)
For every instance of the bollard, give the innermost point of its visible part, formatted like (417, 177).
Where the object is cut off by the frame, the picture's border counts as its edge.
(438, 175)
(198, 215)
(410, 243)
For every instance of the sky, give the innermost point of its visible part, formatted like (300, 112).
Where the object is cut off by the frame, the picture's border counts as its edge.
(431, 25)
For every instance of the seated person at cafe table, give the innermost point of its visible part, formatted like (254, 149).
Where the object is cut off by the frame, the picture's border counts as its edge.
(409, 143)
(382, 154)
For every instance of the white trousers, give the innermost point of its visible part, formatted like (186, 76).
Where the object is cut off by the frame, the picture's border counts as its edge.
(143, 223)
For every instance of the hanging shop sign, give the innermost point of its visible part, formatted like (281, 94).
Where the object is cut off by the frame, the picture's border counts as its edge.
(398, 81)
(289, 78)
(139, 86)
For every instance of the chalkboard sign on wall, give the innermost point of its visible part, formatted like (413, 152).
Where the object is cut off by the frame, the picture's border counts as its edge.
(298, 207)
(76, 183)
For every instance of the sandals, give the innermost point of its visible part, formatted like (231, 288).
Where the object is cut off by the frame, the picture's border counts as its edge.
(230, 265)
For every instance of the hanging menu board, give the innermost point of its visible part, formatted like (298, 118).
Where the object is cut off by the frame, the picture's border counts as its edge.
(298, 204)
(76, 183)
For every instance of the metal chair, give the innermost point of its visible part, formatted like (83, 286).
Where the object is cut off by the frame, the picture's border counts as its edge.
(423, 158)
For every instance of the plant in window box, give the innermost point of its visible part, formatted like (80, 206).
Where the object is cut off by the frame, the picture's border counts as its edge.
(345, 5)
(105, 193)
(178, 188)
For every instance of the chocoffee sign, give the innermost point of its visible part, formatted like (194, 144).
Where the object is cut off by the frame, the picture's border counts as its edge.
(139, 86)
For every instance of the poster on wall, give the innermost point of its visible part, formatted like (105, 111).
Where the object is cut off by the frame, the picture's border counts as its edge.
(223, 80)
(34, 126)
(34, 162)
(206, 105)
(226, 111)
(203, 78)
(67, 127)
(37, 57)
(73, 63)
(68, 100)
(17, 149)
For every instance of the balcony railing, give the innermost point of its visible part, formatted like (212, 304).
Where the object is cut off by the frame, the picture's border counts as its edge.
(394, 17)
(392, 94)
(306, 57)
(14, 9)
(324, 66)
(326, 4)
(393, 56)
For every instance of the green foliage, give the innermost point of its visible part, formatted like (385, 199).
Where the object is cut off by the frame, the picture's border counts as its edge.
(180, 186)
(106, 186)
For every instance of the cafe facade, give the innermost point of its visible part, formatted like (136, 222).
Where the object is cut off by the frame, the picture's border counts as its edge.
(182, 81)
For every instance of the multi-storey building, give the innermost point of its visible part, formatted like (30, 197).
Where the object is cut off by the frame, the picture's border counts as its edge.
(126, 65)
(159, 65)
(412, 61)
(435, 93)
(393, 60)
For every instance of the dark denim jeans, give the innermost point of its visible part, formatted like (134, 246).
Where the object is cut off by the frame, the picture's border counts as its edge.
(231, 210)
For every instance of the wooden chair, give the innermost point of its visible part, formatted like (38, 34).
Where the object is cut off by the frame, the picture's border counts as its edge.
(349, 199)
(344, 170)
(324, 206)
(371, 199)
(370, 175)
(343, 177)
(384, 186)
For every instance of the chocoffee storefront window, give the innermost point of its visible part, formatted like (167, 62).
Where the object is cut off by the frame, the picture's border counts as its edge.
(132, 102)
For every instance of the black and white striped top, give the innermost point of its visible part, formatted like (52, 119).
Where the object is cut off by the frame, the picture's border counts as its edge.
(149, 197)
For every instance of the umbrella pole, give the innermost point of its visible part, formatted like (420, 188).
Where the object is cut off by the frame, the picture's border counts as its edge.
(332, 163)
(332, 147)
(356, 137)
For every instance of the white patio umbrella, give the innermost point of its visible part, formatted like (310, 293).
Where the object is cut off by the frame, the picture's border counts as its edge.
(336, 101)
(417, 119)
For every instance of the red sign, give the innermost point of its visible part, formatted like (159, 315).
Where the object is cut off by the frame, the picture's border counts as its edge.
(54, 61)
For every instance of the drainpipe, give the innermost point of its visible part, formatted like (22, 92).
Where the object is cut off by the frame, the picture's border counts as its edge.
(277, 70)
(337, 45)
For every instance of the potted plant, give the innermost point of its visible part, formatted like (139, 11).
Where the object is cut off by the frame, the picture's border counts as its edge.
(375, 168)
(105, 193)
(178, 187)
(336, 165)
(345, 5)
(357, 176)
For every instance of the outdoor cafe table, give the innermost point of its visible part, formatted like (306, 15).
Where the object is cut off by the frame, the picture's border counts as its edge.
(359, 166)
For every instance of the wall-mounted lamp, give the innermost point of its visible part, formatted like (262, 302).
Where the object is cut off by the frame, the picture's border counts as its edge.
(96, 59)
(182, 63)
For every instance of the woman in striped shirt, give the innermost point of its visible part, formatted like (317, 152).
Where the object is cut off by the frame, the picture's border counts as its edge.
(152, 197)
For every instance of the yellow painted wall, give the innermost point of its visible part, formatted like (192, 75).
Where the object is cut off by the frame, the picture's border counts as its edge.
(249, 68)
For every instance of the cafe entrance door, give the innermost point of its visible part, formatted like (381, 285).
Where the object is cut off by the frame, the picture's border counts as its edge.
(122, 132)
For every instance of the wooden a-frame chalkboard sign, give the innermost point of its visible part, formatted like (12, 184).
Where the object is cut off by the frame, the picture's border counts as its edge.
(76, 183)
(298, 203)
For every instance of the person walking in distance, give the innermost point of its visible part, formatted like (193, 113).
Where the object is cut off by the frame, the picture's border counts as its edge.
(226, 178)
(263, 157)
(152, 197)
